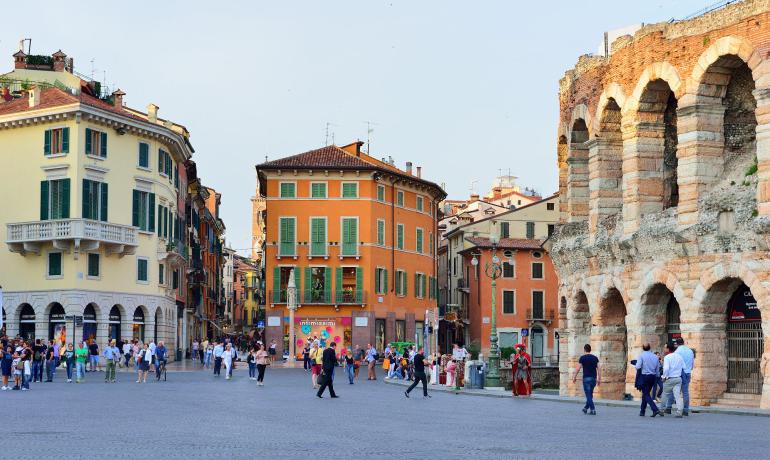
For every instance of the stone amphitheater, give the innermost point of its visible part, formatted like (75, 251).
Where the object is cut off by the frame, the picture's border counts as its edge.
(664, 169)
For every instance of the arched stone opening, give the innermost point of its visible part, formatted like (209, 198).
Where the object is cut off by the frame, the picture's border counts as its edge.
(90, 323)
(579, 326)
(605, 166)
(26, 322)
(114, 321)
(57, 323)
(657, 305)
(610, 344)
(577, 172)
(138, 323)
(157, 330)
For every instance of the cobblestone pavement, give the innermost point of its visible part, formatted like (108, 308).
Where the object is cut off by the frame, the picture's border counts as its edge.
(194, 415)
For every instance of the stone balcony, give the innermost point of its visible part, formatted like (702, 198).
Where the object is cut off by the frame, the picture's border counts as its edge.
(71, 234)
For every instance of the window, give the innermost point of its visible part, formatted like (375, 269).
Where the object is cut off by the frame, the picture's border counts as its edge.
(54, 265)
(508, 270)
(143, 214)
(141, 270)
(537, 305)
(431, 242)
(537, 270)
(176, 177)
(287, 228)
(419, 203)
(508, 340)
(400, 236)
(165, 163)
(318, 285)
(400, 330)
(380, 280)
(318, 236)
(399, 198)
(509, 302)
(420, 285)
(530, 230)
(418, 238)
(164, 216)
(144, 155)
(96, 143)
(318, 190)
(550, 206)
(551, 229)
(57, 141)
(161, 274)
(94, 200)
(350, 190)
(175, 280)
(93, 265)
(505, 229)
(454, 266)
(401, 283)
(380, 232)
(349, 236)
(381, 193)
(55, 199)
(288, 190)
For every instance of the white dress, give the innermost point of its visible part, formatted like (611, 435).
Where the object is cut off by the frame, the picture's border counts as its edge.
(227, 360)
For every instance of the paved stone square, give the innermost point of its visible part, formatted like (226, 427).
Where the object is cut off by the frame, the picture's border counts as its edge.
(194, 415)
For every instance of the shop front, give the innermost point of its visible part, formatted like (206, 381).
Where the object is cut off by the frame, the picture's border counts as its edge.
(114, 322)
(138, 324)
(57, 325)
(5, 321)
(27, 322)
(325, 329)
(89, 323)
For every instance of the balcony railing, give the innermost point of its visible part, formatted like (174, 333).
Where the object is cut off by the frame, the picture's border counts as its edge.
(463, 285)
(539, 314)
(23, 237)
(350, 297)
(317, 296)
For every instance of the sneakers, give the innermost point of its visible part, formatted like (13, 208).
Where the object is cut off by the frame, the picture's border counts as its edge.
(585, 411)
(138, 381)
(593, 412)
(69, 380)
(667, 411)
(25, 389)
(4, 388)
(261, 384)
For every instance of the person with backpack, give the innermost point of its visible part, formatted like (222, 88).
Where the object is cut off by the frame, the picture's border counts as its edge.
(37, 361)
(50, 363)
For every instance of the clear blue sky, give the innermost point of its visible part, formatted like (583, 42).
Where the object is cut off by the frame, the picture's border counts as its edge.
(461, 88)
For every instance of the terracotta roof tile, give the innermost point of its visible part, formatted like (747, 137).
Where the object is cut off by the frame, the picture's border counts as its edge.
(506, 243)
(330, 156)
(55, 97)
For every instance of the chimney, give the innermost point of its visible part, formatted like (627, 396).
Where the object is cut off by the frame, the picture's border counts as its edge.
(475, 197)
(419, 172)
(117, 98)
(20, 60)
(34, 96)
(59, 61)
(409, 167)
(152, 113)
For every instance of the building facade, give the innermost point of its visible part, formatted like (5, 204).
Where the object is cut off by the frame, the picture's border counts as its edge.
(664, 163)
(360, 236)
(92, 233)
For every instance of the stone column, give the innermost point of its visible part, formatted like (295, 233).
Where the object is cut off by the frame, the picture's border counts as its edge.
(605, 175)
(642, 171)
(700, 154)
(577, 183)
(562, 150)
(579, 326)
(609, 345)
(763, 148)
(275, 332)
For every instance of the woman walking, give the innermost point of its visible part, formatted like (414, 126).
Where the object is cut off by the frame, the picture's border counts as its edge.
(6, 365)
(227, 360)
(207, 358)
(144, 358)
(316, 357)
(251, 359)
(350, 364)
(262, 361)
(69, 361)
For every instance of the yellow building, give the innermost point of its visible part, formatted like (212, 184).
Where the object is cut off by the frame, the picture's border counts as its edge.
(94, 209)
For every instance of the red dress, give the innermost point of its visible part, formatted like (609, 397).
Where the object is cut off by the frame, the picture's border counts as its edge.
(522, 378)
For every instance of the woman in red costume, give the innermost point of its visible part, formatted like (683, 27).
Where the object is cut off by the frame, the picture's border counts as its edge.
(522, 372)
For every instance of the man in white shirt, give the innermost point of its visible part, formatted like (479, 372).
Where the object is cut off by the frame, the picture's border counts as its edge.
(673, 366)
(688, 356)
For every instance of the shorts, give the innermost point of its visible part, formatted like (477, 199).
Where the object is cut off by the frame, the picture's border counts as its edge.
(316, 369)
(144, 365)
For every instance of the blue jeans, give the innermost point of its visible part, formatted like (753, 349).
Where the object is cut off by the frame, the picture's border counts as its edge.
(80, 367)
(69, 370)
(25, 380)
(349, 369)
(588, 387)
(50, 366)
(685, 393)
(648, 380)
(252, 370)
(658, 386)
(37, 370)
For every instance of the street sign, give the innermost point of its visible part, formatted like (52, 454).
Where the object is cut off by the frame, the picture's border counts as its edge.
(78, 321)
(524, 332)
(261, 324)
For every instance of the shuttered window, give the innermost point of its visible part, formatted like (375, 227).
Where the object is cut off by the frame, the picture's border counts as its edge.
(505, 229)
(318, 190)
(399, 198)
(55, 199)
(318, 236)
(95, 200)
(144, 155)
(381, 280)
(288, 190)
(381, 232)
(141, 270)
(381, 193)
(349, 190)
(537, 270)
(419, 203)
(56, 141)
(509, 302)
(508, 270)
(349, 236)
(288, 236)
(165, 163)
(143, 210)
(93, 265)
(431, 242)
(54, 264)
(418, 237)
(400, 236)
(530, 230)
(96, 143)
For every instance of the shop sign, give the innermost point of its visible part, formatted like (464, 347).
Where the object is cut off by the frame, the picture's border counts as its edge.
(57, 317)
(27, 318)
(261, 324)
(273, 321)
(742, 306)
(90, 317)
(318, 322)
(139, 319)
(114, 318)
(362, 321)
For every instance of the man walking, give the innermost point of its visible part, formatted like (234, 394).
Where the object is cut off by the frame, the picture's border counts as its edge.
(419, 374)
(327, 373)
(219, 350)
(371, 361)
(93, 355)
(649, 365)
(38, 356)
(111, 358)
(673, 368)
(591, 377)
(688, 356)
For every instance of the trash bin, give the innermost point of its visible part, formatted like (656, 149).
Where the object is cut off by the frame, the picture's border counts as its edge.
(476, 377)
(178, 354)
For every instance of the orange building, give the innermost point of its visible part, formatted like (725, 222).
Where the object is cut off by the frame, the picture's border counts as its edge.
(527, 296)
(360, 235)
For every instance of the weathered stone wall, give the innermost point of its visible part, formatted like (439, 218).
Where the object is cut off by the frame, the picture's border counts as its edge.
(668, 198)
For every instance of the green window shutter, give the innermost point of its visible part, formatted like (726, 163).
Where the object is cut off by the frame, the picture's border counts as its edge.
(151, 207)
(44, 186)
(400, 237)
(144, 155)
(416, 284)
(385, 280)
(338, 285)
(168, 166)
(377, 287)
(308, 285)
(380, 193)
(47, 142)
(135, 209)
(104, 201)
(381, 232)
(160, 220)
(424, 283)
(65, 142)
(419, 240)
(165, 221)
(291, 238)
(350, 190)
(276, 285)
(54, 264)
(103, 153)
(65, 197)
(161, 160)
(405, 284)
(328, 285)
(89, 147)
(359, 285)
(87, 199)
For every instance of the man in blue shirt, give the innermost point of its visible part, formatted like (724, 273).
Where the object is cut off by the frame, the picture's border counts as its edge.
(591, 377)
(111, 357)
(688, 356)
(371, 359)
(649, 365)
(160, 357)
(219, 349)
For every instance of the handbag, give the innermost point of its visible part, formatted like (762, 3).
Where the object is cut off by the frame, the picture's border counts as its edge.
(386, 363)
(321, 380)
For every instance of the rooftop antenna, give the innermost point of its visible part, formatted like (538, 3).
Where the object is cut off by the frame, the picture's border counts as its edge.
(326, 137)
(92, 68)
(473, 184)
(29, 45)
(369, 131)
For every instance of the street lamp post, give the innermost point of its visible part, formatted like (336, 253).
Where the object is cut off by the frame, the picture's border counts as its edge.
(493, 270)
(291, 304)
